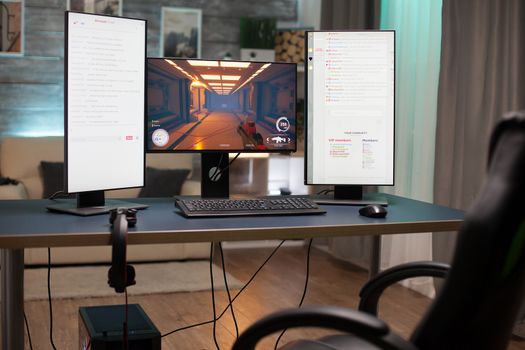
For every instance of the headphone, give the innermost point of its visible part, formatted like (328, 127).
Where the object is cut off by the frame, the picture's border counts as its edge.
(121, 275)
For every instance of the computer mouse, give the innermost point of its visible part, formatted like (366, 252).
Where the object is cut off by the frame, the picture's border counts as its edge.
(373, 211)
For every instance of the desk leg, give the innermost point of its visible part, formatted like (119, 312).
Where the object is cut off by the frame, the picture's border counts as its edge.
(375, 256)
(12, 294)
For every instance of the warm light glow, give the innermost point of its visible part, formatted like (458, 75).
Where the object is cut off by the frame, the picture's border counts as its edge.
(231, 77)
(203, 63)
(266, 65)
(211, 77)
(232, 64)
(228, 84)
(214, 84)
(251, 155)
(197, 84)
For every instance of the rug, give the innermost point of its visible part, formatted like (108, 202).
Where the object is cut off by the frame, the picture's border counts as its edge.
(152, 278)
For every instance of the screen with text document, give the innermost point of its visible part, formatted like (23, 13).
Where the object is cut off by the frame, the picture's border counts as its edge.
(105, 102)
(350, 108)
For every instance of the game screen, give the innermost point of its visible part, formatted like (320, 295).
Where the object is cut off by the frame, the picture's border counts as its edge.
(230, 106)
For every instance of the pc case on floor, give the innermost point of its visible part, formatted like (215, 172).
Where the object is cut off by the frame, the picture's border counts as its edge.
(100, 328)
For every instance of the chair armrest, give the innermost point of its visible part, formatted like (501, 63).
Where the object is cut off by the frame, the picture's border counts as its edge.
(351, 321)
(372, 290)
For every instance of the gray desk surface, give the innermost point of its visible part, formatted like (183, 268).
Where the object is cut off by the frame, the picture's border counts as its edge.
(26, 223)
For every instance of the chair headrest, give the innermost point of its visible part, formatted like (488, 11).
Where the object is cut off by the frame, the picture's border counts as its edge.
(514, 120)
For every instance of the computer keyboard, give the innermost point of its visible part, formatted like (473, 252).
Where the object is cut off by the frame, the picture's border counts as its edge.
(248, 207)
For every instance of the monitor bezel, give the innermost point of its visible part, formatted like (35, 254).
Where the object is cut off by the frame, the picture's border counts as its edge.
(306, 110)
(287, 151)
(66, 138)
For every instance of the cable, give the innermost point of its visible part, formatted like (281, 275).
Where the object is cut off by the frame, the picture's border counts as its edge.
(213, 299)
(58, 194)
(125, 325)
(325, 191)
(235, 297)
(228, 291)
(28, 333)
(305, 287)
(49, 298)
(218, 171)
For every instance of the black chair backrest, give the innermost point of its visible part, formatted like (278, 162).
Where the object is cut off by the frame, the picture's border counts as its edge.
(481, 297)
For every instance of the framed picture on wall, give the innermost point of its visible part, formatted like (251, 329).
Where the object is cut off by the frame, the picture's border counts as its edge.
(102, 7)
(12, 28)
(180, 32)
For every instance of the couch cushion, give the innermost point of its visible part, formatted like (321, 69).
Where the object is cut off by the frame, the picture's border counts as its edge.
(163, 182)
(20, 159)
(13, 192)
(52, 177)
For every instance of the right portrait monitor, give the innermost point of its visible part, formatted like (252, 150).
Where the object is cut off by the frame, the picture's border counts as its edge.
(349, 108)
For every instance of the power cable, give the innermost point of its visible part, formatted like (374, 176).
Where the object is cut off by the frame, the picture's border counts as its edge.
(304, 290)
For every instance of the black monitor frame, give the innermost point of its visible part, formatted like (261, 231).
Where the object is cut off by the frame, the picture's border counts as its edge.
(351, 194)
(215, 163)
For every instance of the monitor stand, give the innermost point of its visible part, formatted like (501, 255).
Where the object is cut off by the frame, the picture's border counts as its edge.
(350, 195)
(91, 203)
(215, 175)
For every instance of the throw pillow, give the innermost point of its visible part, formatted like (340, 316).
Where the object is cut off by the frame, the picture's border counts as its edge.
(52, 177)
(163, 182)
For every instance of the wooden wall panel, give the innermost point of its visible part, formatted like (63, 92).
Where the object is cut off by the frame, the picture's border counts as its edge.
(31, 87)
(36, 70)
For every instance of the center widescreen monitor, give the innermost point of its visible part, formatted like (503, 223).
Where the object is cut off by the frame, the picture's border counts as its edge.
(216, 107)
(220, 106)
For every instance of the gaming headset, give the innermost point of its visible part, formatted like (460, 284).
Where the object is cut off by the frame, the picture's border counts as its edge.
(121, 275)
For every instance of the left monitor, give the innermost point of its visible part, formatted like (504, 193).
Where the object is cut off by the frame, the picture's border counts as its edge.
(104, 108)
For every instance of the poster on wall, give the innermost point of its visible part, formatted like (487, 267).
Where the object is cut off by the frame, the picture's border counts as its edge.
(180, 32)
(11, 28)
(101, 7)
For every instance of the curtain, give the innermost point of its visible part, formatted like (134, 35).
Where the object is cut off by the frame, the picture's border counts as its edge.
(482, 76)
(418, 49)
(349, 14)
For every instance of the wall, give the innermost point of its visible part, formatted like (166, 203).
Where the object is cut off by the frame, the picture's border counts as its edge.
(31, 87)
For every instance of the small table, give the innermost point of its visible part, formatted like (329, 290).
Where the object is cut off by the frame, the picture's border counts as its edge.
(27, 224)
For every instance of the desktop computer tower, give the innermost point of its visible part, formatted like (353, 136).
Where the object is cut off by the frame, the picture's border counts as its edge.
(100, 328)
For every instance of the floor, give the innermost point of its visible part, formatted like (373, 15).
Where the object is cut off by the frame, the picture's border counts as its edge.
(279, 284)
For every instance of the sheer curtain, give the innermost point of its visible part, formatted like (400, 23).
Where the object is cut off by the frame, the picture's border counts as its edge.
(418, 48)
(482, 76)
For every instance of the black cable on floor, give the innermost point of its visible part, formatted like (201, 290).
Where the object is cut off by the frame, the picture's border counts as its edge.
(228, 291)
(213, 299)
(28, 333)
(235, 297)
(304, 290)
(49, 298)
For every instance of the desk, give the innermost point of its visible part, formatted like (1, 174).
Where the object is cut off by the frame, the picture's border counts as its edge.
(26, 223)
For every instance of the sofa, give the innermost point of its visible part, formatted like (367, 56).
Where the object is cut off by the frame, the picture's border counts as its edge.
(20, 160)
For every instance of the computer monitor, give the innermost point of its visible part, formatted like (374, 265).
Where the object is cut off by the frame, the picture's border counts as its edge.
(349, 108)
(104, 109)
(216, 107)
